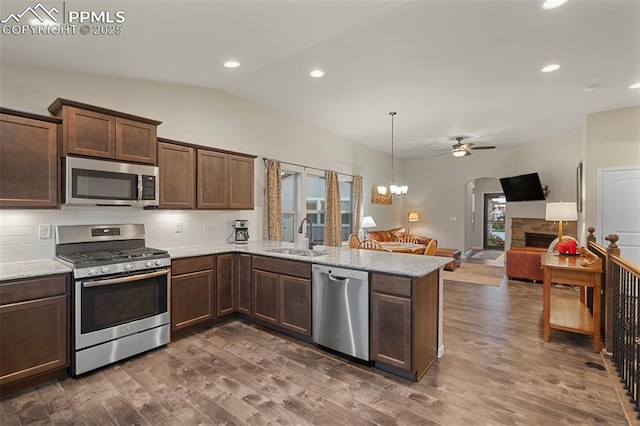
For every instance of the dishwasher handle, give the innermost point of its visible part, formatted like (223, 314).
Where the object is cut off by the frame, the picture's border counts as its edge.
(336, 278)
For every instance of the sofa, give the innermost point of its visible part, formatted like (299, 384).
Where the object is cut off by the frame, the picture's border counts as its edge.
(393, 234)
(524, 263)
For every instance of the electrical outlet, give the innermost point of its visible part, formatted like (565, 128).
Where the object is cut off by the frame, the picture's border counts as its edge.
(44, 232)
(178, 228)
(452, 218)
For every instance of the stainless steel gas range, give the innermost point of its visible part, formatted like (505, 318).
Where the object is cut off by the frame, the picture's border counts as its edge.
(120, 296)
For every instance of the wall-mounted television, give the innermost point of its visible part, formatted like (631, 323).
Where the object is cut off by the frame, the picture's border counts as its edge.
(522, 188)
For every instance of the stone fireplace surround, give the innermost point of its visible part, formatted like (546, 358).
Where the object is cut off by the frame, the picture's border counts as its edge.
(521, 226)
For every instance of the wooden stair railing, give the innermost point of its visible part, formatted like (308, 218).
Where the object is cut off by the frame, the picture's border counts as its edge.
(622, 314)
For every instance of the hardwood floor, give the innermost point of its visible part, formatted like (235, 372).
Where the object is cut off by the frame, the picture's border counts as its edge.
(496, 370)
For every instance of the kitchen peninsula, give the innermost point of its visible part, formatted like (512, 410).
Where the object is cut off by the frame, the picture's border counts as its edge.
(269, 283)
(406, 295)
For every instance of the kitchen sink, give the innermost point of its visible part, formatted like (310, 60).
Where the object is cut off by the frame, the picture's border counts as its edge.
(298, 252)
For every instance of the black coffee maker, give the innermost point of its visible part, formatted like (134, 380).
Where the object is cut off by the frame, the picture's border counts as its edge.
(241, 231)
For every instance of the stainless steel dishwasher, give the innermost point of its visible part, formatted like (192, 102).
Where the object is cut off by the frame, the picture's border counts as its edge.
(341, 310)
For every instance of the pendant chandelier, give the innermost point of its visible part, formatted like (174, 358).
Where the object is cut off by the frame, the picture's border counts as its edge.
(398, 191)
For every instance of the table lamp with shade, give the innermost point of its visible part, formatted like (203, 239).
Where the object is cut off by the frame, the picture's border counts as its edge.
(561, 212)
(367, 222)
(413, 217)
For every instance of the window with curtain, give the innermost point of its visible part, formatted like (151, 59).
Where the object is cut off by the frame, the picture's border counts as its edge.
(304, 194)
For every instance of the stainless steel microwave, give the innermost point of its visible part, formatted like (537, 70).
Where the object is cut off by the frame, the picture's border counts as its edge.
(97, 182)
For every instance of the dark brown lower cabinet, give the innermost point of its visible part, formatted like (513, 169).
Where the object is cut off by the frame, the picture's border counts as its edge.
(282, 293)
(193, 291)
(391, 326)
(242, 275)
(266, 300)
(404, 323)
(34, 330)
(295, 304)
(225, 283)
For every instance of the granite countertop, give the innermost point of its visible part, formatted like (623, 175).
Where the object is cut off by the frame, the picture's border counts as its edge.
(411, 265)
(31, 268)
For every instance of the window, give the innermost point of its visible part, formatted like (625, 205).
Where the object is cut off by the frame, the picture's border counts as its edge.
(289, 191)
(304, 195)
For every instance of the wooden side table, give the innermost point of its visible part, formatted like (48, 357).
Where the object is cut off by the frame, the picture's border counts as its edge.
(567, 314)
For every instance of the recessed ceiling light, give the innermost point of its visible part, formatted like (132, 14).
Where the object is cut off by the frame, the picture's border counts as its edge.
(551, 68)
(316, 73)
(553, 4)
(232, 64)
(592, 87)
(635, 86)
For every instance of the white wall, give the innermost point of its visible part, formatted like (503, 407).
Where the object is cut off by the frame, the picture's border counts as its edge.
(438, 184)
(612, 139)
(192, 114)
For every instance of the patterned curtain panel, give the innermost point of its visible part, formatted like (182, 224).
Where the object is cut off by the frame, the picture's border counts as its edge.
(357, 203)
(273, 198)
(332, 226)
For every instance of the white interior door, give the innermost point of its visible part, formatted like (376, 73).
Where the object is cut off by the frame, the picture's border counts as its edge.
(619, 209)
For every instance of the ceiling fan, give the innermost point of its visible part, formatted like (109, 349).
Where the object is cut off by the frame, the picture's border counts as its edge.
(460, 149)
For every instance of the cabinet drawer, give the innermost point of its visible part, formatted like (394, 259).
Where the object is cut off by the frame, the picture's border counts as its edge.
(281, 266)
(34, 288)
(391, 284)
(191, 264)
(584, 278)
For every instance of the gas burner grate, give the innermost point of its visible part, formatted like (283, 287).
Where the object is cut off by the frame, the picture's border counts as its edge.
(100, 256)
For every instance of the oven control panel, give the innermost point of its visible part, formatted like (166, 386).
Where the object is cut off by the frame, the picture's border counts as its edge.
(103, 232)
(121, 268)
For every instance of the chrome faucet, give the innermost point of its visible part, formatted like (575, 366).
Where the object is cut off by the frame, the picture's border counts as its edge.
(306, 219)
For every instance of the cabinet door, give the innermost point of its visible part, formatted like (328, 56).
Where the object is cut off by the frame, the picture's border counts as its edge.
(28, 162)
(391, 330)
(242, 275)
(212, 180)
(135, 141)
(192, 297)
(33, 338)
(240, 182)
(266, 296)
(89, 133)
(225, 284)
(295, 304)
(177, 176)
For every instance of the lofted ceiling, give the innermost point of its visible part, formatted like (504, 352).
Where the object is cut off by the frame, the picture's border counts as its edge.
(447, 67)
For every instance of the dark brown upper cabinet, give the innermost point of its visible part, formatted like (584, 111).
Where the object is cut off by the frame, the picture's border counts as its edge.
(177, 166)
(222, 179)
(240, 182)
(213, 179)
(102, 133)
(29, 161)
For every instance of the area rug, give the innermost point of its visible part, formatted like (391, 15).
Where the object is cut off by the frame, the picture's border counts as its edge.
(476, 274)
(488, 254)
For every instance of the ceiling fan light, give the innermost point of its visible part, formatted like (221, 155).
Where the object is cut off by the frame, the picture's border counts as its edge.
(460, 153)
(382, 190)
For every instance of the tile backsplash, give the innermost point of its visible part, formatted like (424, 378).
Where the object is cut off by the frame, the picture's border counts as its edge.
(19, 238)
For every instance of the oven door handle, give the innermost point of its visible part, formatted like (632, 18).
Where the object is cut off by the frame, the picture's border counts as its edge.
(129, 278)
